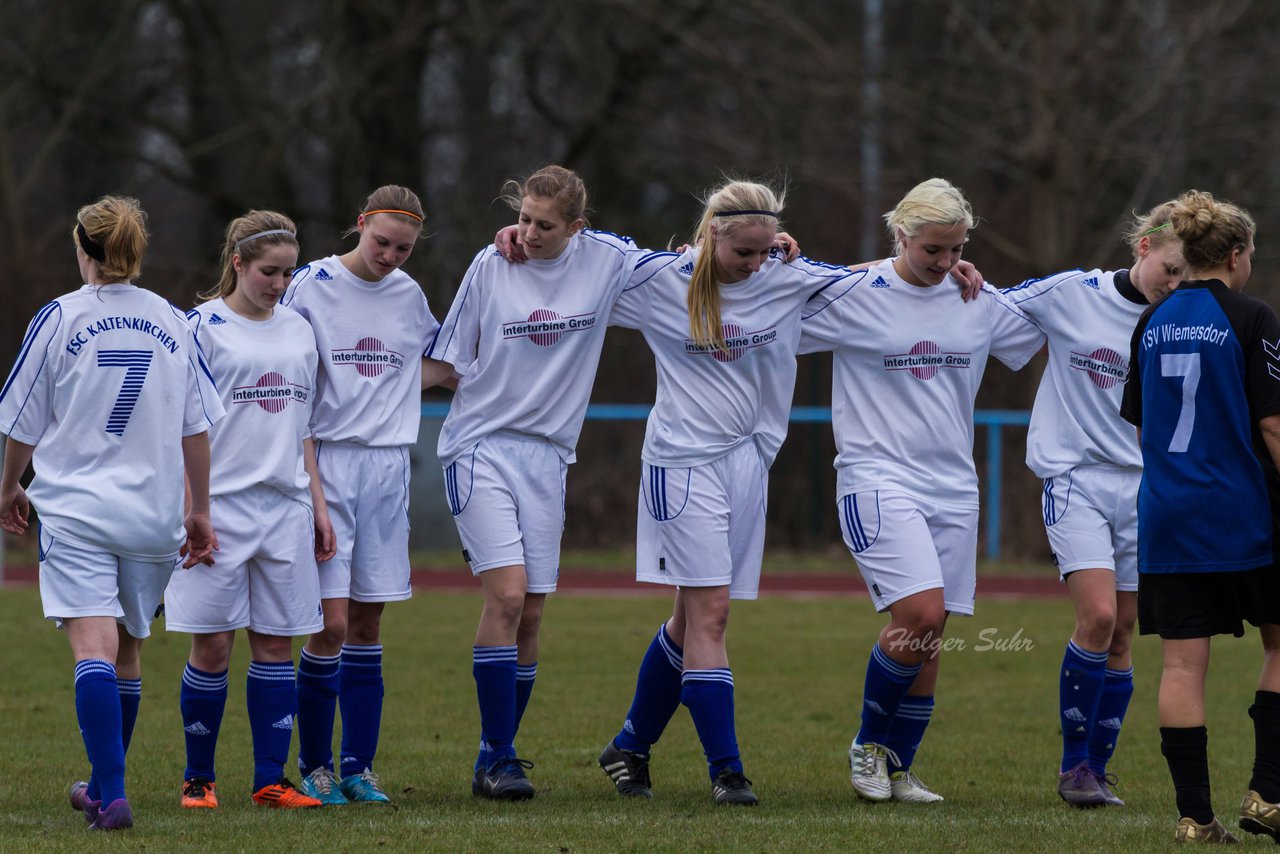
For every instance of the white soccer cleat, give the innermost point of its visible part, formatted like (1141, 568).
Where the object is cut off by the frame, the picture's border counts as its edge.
(908, 788)
(869, 770)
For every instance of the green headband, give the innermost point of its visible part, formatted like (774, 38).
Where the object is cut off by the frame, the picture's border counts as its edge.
(1157, 228)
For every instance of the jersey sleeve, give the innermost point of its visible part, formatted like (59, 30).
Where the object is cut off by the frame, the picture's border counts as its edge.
(458, 339)
(26, 398)
(630, 308)
(827, 315)
(1262, 362)
(1015, 337)
(1131, 403)
(203, 406)
(1035, 296)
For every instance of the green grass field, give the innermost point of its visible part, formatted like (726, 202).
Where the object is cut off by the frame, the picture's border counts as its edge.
(992, 748)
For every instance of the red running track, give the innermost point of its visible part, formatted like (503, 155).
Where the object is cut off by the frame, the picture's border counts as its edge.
(621, 583)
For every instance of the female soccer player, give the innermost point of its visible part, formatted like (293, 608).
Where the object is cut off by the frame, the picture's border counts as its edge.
(909, 356)
(110, 397)
(723, 321)
(1089, 460)
(525, 339)
(372, 327)
(1204, 391)
(268, 502)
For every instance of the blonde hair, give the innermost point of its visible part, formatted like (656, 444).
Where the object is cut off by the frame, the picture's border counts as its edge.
(562, 186)
(119, 225)
(933, 202)
(395, 201)
(765, 208)
(1154, 225)
(1209, 228)
(251, 224)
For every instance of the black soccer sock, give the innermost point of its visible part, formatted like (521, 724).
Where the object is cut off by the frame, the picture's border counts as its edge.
(1186, 749)
(1265, 712)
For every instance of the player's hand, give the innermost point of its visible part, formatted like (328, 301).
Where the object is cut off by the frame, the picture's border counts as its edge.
(202, 540)
(970, 279)
(326, 540)
(508, 242)
(14, 511)
(786, 244)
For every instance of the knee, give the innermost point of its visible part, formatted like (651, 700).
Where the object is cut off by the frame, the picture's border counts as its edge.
(506, 606)
(1096, 626)
(530, 623)
(713, 620)
(923, 621)
(211, 653)
(334, 633)
(272, 648)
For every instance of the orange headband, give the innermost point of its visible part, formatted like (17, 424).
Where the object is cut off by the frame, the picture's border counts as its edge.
(392, 210)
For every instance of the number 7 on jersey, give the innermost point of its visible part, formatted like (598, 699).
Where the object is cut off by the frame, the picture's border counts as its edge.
(136, 364)
(1187, 366)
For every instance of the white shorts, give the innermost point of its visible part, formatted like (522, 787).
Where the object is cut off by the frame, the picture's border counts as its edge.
(1091, 517)
(367, 492)
(704, 526)
(265, 575)
(81, 581)
(904, 545)
(507, 498)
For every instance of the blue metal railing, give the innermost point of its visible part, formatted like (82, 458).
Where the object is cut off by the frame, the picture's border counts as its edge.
(995, 420)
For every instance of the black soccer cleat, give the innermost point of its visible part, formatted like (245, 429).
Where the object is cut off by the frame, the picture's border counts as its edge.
(628, 770)
(731, 787)
(505, 780)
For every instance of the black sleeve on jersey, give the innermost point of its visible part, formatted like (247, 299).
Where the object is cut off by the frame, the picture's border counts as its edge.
(1259, 333)
(1131, 404)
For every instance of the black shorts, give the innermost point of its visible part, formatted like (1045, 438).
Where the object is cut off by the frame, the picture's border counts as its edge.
(1179, 605)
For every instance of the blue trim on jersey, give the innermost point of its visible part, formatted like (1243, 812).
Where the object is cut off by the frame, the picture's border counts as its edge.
(33, 330)
(464, 291)
(652, 256)
(596, 234)
(1029, 282)
(828, 299)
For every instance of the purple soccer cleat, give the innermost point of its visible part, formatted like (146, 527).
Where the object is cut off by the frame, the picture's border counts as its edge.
(115, 816)
(80, 802)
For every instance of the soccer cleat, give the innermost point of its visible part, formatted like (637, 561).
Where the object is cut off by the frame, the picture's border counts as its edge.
(1079, 787)
(1105, 782)
(1258, 816)
(628, 770)
(323, 786)
(80, 802)
(199, 793)
(283, 795)
(505, 780)
(869, 770)
(907, 787)
(477, 782)
(1189, 831)
(115, 816)
(363, 788)
(731, 787)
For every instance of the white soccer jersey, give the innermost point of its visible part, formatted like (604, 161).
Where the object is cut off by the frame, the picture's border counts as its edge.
(526, 340)
(1089, 319)
(107, 383)
(710, 401)
(266, 376)
(371, 337)
(907, 365)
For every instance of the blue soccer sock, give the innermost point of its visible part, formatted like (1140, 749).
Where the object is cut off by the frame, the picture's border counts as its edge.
(130, 697)
(494, 669)
(907, 730)
(317, 703)
(658, 689)
(709, 696)
(202, 700)
(271, 697)
(98, 712)
(360, 699)
(886, 684)
(1079, 690)
(525, 675)
(1117, 690)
